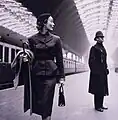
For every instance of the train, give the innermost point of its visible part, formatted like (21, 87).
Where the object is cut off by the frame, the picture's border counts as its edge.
(10, 45)
(8, 53)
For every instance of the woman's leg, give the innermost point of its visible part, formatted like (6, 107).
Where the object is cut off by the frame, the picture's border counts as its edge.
(44, 89)
(48, 98)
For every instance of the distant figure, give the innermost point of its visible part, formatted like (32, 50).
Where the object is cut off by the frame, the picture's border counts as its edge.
(98, 84)
(45, 71)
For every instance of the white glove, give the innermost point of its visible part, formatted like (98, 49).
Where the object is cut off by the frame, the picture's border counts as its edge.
(25, 58)
(61, 81)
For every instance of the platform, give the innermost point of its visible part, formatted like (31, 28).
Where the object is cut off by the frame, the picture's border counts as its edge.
(79, 103)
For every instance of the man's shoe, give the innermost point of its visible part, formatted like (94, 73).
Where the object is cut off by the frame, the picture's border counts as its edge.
(105, 108)
(47, 118)
(99, 109)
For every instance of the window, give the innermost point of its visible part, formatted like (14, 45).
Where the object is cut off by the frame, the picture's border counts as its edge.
(1, 53)
(12, 54)
(17, 51)
(6, 54)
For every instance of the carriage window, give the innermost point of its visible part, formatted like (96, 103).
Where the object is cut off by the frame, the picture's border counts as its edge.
(12, 54)
(6, 54)
(17, 51)
(1, 53)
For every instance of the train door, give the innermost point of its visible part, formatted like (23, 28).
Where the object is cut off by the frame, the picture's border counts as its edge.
(7, 54)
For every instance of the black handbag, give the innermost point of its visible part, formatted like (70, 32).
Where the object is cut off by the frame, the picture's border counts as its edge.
(61, 99)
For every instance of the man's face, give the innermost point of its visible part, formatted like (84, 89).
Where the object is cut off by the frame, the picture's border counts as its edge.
(100, 39)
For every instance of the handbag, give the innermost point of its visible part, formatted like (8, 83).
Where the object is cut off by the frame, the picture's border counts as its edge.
(61, 99)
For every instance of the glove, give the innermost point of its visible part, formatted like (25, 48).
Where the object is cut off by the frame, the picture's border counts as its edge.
(25, 58)
(61, 81)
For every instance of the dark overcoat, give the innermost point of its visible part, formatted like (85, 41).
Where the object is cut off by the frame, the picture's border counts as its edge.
(98, 70)
(47, 68)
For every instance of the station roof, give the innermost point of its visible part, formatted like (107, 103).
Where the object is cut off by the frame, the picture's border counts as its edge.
(17, 18)
(95, 15)
(99, 15)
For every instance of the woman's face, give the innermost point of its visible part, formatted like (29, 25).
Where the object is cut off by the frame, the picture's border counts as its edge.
(50, 23)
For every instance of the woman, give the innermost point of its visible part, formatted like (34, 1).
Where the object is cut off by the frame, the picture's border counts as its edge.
(98, 72)
(45, 72)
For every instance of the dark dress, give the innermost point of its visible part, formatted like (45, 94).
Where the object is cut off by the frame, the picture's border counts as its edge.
(45, 73)
(98, 70)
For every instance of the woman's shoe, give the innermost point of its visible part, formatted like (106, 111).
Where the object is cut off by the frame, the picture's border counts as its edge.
(99, 109)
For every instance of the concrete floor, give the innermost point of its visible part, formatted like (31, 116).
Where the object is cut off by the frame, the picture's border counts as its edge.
(79, 104)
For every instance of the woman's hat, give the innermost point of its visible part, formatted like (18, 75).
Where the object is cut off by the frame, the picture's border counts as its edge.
(98, 34)
(43, 18)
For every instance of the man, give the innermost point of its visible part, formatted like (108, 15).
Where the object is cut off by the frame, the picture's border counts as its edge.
(98, 85)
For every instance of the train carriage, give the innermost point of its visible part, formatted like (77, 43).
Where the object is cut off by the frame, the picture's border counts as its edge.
(8, 51)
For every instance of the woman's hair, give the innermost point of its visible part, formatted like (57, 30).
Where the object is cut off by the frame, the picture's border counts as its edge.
(42, 19)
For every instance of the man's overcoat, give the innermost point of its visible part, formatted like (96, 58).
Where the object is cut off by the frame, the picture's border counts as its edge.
(98, 70)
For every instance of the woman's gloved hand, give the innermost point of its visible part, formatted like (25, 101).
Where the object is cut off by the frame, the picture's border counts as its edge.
(61, 81)
(25, 57)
